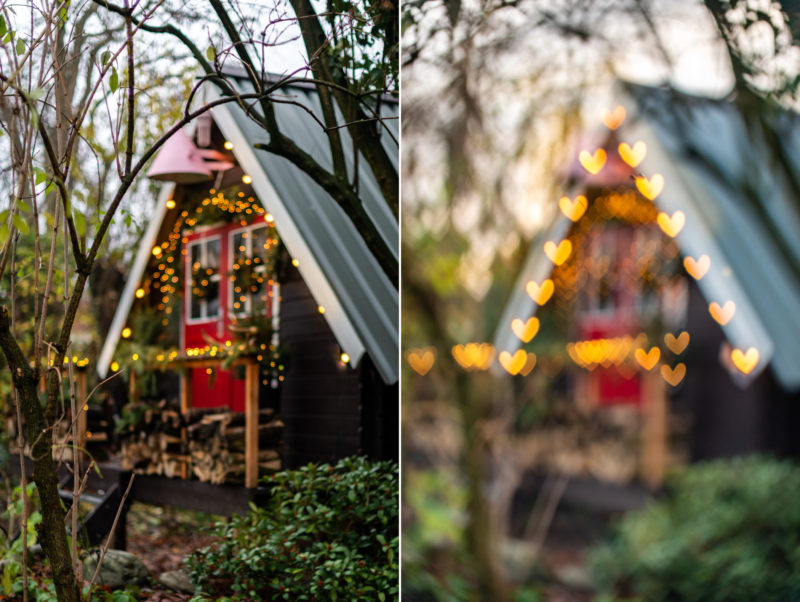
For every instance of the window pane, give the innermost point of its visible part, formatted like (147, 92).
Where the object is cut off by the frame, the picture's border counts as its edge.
(195, 307)
(259, 241)
(212, 254)
(203, 284)
(212, 300)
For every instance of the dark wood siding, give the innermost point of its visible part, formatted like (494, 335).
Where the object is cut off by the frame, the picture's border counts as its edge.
(726, 419)
(320, 397)
(379, 414)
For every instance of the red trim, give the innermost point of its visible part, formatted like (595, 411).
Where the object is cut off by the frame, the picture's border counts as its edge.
(226, 390)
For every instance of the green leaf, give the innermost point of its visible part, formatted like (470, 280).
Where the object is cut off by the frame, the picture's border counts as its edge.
(104, 58)
(20, 46)
(3, 26)
(7, 580)
(39, 175)
(80, 223)
(4, 232)
(20, 224)
(113, 81)
(211, 53)
(23, 206)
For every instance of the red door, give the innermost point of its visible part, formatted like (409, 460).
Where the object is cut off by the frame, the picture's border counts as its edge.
(217, 261)
(609, 309)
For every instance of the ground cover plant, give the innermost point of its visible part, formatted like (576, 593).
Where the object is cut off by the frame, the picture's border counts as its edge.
(725, 530)
(327, 533)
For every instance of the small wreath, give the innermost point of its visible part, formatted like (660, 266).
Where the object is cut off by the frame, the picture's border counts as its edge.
(202, 281)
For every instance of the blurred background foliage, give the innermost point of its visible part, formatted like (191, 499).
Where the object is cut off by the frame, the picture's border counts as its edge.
(494, 94)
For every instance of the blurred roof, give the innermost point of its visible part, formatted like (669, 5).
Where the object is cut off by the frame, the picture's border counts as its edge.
(735, 173)
(361, 304)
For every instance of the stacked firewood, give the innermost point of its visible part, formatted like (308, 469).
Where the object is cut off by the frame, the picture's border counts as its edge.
(98, 427)
(208, 443)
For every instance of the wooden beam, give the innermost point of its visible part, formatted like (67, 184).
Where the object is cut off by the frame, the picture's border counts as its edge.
(251, 424)
(82, 408)
(187, 384)
(654, 429)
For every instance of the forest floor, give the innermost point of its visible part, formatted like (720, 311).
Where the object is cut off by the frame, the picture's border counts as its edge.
(162, 538)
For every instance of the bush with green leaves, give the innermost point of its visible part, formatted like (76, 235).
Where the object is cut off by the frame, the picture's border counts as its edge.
(327, 533)
(725, 530)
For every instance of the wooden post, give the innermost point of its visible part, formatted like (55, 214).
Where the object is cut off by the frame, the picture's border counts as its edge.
(186, 390)
(186, 403)
(251, 424)
(654, 429)
(132, 385)
(82, 408)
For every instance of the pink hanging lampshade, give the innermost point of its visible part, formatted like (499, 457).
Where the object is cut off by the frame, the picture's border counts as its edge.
(180, 161)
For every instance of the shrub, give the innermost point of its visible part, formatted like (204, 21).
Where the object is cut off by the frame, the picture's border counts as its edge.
(725, 530)
(328, 533)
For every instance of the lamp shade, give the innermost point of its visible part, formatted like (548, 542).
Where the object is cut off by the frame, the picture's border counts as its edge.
(180, 161)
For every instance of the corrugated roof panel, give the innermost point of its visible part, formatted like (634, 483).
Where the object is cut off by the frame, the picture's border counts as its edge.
(742, 192)
(370, 301)
(712, 160)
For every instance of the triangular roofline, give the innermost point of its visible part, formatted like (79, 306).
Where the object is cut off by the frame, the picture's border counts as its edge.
(290, 235)
(128, 295)
(312, 272)
(720, 283)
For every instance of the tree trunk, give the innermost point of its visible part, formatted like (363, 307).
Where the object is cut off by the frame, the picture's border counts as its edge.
(481, 540)
(52, 532)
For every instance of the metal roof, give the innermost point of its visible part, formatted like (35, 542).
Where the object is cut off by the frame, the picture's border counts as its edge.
(361, 304)
(128, 293)
(742, 210)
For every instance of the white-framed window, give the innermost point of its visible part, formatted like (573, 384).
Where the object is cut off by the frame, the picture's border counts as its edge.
(203, 279)
(249, 272)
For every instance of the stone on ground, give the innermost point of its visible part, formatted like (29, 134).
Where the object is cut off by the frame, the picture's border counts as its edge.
(119, 568)
(177, 580)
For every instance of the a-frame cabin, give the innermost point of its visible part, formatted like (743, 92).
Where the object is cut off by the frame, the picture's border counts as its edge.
(243, 245)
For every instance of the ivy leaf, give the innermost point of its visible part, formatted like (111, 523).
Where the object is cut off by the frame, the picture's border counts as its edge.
(20, 46)
(20, 224)
(113, 81)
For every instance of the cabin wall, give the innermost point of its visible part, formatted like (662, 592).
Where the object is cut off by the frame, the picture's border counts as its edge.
(380, 419)
(320, 398)
(728, 420)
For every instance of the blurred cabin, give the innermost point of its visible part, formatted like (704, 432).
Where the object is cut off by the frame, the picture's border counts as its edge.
(729, 211)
